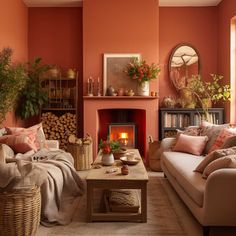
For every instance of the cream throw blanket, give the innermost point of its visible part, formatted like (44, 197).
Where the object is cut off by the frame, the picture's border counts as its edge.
(62, 186)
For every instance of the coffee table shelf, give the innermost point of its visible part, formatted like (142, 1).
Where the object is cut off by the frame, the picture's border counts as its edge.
(136, 179)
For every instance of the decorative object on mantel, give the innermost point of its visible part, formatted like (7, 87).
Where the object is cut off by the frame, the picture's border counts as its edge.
(140, 71)
(98, 88)
(107, 148)
(90, 85)
(111, 91)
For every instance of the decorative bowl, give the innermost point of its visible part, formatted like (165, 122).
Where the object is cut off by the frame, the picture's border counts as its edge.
(126, 161)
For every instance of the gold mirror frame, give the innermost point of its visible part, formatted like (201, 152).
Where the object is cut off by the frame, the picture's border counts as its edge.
(183, 63)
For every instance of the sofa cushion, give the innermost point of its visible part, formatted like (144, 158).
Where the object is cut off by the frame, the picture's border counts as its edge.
(181, 166)
(213, 156)
(190, 144)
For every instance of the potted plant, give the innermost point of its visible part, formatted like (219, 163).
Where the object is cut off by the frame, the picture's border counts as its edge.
(32, 97)
(209, 92)
(108, 147)
(142, 72)
(12, 81)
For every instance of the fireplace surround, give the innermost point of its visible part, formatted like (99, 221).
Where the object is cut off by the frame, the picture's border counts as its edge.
(144, 109)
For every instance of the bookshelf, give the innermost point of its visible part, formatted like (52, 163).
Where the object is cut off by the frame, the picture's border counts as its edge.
(171, 119)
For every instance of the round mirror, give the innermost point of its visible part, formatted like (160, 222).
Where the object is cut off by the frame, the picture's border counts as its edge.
(184, 62)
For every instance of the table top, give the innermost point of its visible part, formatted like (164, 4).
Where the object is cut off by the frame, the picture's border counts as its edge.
(136, 172)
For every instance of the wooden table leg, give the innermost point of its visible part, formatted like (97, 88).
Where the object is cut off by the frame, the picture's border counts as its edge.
(144, 203)
(89, 202)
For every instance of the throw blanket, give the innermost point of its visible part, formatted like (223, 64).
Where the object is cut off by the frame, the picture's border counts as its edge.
(62, 186)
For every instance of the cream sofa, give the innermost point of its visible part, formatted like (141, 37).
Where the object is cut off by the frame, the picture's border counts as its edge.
(213, 200)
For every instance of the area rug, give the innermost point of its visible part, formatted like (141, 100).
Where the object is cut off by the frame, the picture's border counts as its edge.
(162, 219)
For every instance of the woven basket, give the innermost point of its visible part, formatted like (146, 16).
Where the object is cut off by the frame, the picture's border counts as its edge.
(20, 212)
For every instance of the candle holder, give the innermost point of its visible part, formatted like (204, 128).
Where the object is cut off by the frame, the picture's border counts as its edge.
(90, 85)
(98, 88)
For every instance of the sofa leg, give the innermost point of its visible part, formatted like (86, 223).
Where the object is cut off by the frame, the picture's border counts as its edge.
(206, 230)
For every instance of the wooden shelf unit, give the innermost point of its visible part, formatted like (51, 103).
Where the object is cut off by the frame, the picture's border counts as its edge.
(61, 108)
(171, 119)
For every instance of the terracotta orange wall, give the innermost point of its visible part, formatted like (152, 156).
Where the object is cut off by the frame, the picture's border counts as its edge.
(124, 26)
(55, 35)
(14, 34)
(226, 10)
(193, 25)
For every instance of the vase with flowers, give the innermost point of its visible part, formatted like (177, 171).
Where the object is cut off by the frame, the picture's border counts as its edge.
(108, 147)
(142, 72)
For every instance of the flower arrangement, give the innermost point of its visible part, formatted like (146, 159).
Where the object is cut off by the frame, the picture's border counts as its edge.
(108, 146)
(139, 70)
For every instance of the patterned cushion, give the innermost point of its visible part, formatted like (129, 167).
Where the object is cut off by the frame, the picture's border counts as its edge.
(37, 130)
(224, 133)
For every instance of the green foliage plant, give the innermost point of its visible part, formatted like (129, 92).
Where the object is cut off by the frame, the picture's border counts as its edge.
(212, 90)
(12, 81)
(109, 146)
(33, 96)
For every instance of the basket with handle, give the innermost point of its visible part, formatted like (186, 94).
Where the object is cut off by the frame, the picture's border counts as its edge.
(20, 211)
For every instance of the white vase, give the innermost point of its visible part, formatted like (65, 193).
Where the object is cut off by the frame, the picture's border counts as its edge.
(107, 159)
(143, 88)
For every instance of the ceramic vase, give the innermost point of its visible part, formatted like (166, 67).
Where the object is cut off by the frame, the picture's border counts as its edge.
(143, 88)
(107, 159)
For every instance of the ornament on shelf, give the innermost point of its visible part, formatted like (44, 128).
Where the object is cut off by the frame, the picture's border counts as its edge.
(90, 86)
(98, 88)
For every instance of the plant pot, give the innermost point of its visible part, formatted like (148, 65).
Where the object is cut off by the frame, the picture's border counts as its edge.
(107, 159)
(143, 88)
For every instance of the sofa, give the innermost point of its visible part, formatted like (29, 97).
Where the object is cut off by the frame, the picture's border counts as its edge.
(212, 201)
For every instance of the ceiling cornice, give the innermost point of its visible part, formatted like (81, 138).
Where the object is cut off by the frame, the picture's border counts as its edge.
(79, 3)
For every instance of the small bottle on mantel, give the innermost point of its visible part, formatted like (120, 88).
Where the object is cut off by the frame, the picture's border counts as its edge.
(90, 86)
(98, 87)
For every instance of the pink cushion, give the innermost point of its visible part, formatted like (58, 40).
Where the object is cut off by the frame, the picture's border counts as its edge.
(19, 142)
(190, 144)
(36, 130)
(223, 135)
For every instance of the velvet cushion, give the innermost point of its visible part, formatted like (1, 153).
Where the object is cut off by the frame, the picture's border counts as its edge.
(223, 162)
(224, 133)
(190, 144)
(19, 142)
(229, 142)
(37, 130)
(213, 156)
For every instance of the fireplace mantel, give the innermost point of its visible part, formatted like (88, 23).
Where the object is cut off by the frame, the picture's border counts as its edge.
(93, 104)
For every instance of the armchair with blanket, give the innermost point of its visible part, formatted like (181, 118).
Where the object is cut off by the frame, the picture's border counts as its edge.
(27, 158)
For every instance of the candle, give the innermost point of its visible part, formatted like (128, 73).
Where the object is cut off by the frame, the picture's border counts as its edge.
(98, 79)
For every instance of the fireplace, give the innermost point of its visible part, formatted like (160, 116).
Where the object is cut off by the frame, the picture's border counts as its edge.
(124, 125)
(100, 111)
(124, 133)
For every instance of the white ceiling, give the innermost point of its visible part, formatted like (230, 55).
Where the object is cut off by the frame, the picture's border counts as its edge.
(78, 3)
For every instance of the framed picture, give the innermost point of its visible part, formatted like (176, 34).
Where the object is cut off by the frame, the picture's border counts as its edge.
(114, 66)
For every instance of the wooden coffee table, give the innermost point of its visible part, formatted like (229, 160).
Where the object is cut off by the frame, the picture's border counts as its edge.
(136, 179)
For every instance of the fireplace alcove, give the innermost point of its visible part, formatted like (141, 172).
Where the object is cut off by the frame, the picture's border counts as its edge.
(129, 122)
(148, 106)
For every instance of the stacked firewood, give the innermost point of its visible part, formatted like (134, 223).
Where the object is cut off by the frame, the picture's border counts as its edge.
(59, 127)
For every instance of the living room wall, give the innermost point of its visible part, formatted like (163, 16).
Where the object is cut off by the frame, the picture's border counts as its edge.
(55, 35)
(193, 25)
(112, 26)
(14, 34)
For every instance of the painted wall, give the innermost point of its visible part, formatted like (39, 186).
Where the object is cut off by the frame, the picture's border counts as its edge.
(14, 34)
(55, 35)
(226, 10)
(112, 26)
(193, 25)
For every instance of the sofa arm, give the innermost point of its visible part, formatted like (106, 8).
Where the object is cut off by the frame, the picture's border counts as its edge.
(52, 143)
(220, 198)
(167, 143)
